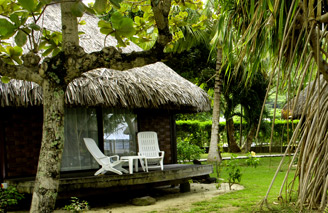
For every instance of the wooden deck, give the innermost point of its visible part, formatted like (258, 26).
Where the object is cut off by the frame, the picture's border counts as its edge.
(86, 182)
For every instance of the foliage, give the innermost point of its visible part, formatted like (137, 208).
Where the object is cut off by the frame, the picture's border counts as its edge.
(234, 170)
(201, 130)
(252, 160)
(9, 197)
(77, 205)
(188, 151)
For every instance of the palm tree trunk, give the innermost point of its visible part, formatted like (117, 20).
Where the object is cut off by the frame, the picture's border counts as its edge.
(214, 152)
(250, 136)
(233, 146)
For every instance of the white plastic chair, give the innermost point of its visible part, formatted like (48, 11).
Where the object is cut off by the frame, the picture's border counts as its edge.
(112, 164)
(148, 147)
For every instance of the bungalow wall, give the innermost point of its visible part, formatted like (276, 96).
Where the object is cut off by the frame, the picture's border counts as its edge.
(21, 134)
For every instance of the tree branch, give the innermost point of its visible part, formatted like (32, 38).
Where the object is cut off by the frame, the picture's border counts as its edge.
(21, 72)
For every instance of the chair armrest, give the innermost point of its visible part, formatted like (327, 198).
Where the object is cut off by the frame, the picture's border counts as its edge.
(114, 157)
(161, 153)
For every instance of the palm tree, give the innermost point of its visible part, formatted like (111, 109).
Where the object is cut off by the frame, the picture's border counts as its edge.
(294, 34)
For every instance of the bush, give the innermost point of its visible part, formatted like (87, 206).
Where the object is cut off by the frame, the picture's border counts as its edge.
(77, 205)
(9, 197)
(199, 132)
(234, 170)
(252, 160)
(188, 151)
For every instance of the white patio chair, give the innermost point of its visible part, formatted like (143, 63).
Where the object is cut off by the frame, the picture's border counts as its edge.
(112, 163)
(148, 147)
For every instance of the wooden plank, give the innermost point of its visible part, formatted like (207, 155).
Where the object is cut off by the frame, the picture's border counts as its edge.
(172, 173)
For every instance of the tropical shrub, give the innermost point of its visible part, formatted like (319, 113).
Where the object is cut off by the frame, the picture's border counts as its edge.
(187, 151)
(77, 205)
(199, 132)
(8, 197)
(234, 170)
(252, 160)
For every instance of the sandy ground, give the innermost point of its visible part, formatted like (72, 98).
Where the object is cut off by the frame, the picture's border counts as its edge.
(169, 199)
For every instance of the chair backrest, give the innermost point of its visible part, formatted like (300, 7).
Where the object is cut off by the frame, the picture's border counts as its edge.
(94, 149)
(148, 144)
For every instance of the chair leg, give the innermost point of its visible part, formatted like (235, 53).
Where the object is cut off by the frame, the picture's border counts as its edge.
(100, 171)
(121, 169)
(115, 171)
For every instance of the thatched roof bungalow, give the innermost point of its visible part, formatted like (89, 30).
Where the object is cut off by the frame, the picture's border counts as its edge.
(107, 105)
(309, 92)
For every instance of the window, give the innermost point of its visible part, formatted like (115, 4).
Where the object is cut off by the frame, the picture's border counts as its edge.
(120, 127)
(119, 131)
(79, 123)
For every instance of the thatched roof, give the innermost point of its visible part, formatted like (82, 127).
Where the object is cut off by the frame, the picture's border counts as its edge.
(301, 102)
(153, 86)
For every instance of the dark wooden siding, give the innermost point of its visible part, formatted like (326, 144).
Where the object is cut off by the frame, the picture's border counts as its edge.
(162, 123)
(21, 134)
(21, 137)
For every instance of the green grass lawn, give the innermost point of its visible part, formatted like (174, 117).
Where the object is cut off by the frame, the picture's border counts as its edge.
(256, 182)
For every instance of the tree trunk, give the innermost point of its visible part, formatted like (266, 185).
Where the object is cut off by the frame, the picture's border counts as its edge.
(52, 145)
(214, 152)
(233, 146)
(47, 178)
(249, 140)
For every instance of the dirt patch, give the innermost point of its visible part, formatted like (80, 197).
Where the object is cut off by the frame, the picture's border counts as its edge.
(169, 199)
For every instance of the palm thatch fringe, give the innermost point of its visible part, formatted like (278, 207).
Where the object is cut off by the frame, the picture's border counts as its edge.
(153, 86)
(297, 112)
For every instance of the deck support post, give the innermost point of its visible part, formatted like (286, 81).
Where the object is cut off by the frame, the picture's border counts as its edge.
(185, 187)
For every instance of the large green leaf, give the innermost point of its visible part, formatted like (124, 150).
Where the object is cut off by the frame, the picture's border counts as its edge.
(122, 25)
(14, 18)
(21, 38)
(29, 5)
(105, 27)
(6, 28)
(100, 6)
(35, 27)
(116, 3)
(46, 1)
(77, 9)
(5, 79)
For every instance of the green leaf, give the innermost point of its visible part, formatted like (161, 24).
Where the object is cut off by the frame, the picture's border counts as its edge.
(6, 28)
(89, 10)
(18, 51)
(270, 6)
(119, 40)
(122, 25)
(35, 27)
(17, 59)
(5, 79)
(103, 23)
(83, 22)
(281, 19)
(100, 6)
(77, 9)
(105, 27)
(21, 38)
(46, 1)
(56, 51)
(116, 3)
(29, 5)
(14, 18)
(47, 52)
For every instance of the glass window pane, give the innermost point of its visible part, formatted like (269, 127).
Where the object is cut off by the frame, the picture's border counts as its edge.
(79, 123)
(120, 127)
